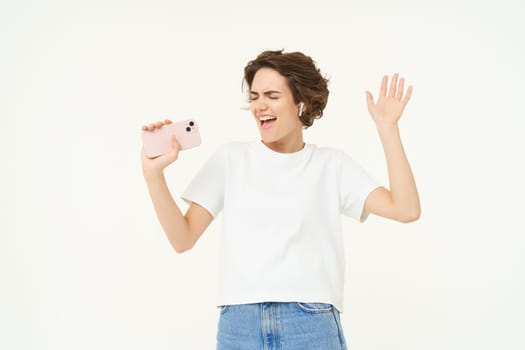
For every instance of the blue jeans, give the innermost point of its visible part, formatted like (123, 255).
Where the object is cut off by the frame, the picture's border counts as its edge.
(280, 326)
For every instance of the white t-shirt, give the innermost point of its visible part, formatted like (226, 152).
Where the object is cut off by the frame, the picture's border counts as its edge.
(281, 235)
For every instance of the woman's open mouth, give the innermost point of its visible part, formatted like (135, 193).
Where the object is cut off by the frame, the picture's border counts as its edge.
(267, 121)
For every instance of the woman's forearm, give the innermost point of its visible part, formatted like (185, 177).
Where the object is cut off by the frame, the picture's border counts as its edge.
(403, 190)
(170, 216)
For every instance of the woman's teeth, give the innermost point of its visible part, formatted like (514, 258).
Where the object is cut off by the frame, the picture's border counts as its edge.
(266, 118)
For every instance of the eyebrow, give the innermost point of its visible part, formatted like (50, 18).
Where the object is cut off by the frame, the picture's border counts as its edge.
(269, 92)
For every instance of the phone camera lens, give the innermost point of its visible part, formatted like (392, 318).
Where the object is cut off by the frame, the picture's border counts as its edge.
(192, 123)
(188, 129)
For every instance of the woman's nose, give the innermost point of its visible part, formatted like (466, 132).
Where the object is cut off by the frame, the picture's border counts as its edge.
(259, 105)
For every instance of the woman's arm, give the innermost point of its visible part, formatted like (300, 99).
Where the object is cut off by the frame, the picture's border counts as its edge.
(401, 202)
(182, 230)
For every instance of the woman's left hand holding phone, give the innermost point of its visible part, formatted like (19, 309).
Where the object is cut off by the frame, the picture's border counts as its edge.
(153, 167)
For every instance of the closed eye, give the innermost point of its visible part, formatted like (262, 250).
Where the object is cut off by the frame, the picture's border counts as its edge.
(253, 98)
(271, 94)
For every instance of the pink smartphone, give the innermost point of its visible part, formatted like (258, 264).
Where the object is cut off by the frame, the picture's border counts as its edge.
(158, 141)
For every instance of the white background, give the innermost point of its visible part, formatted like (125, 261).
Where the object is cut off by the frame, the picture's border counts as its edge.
(85, 264)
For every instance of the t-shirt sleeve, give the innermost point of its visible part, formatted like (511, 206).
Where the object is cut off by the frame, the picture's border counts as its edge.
(207, 187)
(354, 187)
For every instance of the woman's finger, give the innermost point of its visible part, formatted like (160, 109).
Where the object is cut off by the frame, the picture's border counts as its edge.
(369, 99)
(382, 90)
(400, 88)
(156, 125)
(393, 86)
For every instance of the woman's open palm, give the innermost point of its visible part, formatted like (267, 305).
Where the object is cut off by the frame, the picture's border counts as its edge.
(390, 105)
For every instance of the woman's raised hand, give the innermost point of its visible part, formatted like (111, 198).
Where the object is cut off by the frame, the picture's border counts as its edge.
(390, 105)
(153, 167)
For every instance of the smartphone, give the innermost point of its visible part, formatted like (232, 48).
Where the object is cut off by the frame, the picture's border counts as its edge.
(158, 141)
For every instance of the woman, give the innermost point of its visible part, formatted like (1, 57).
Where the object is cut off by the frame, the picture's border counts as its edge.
(282, 262)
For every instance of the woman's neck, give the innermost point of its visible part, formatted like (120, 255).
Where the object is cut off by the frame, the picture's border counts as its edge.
(287, 145)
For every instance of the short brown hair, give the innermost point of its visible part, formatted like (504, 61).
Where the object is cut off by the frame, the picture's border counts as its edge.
(304, 79)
